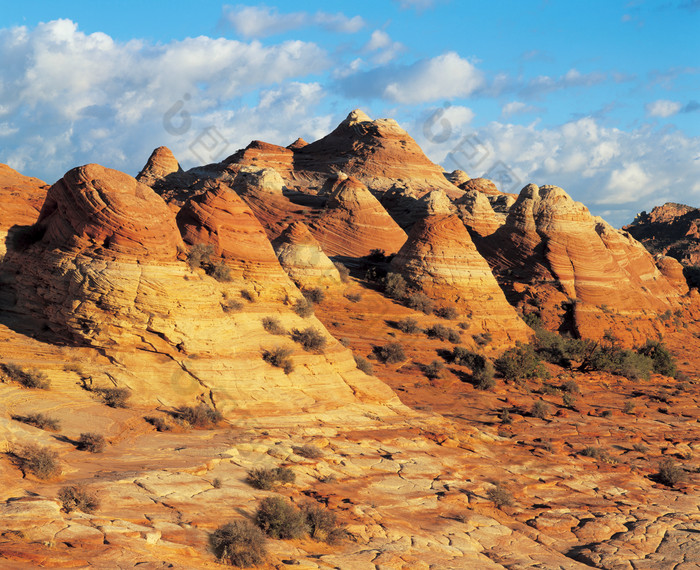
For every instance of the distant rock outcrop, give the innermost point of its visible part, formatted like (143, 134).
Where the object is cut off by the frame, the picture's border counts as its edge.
(476, 212)
(303, 259)
(550, 241)
(354, 223)
(671, 229)
(21, 198)
(440, 259)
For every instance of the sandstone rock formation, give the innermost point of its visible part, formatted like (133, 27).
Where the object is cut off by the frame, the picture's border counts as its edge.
(671, 229)
(109, 273)
(550, 240)
(440, 259)
(162, 172)
(303, 259)
(21, 198)
(475, 211)
(354, 223)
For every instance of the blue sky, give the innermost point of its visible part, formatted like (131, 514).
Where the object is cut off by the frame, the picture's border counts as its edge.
(601, 98)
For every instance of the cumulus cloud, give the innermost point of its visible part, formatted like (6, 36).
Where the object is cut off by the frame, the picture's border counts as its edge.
(615, 173)
(663, 108)
(384, 49)
(68, 97)
(544, 84)
(264, 21)
(516, 108)
(446, 76)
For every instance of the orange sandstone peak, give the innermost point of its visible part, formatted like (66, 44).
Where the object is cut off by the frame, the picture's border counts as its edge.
(354, 223)
(160, 164)
(441, 260)
(21, 198)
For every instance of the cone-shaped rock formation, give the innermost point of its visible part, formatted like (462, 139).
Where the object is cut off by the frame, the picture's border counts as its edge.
(354, 223)
(477, 214)
(303, 259)
(440, 259)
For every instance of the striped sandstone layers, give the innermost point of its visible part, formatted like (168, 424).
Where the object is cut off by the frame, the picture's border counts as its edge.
(440, 259)
(21, 198)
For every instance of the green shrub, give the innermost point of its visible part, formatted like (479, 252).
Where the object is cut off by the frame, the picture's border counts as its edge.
(39, 421)
(158, 422)
(571, 387)
(267, 478)
(377, 255)
(392, 353)
(322, 524)
(533, 320)
(433, 370)
(231, 306)
(92, 442)
(559, 350)
(273, 326)
(482, 369)
(663, 361)
(40, 461)
(364, 365)
(27, 378)
(315, 295)
(278, 518)
(520, 362)
(220, 272)
(483, 378)
(200, 416)
(443, 333)
(78, 498)
(420, 302)
(504, 416)
(395, 286)
(595, 453)
(408, 325)
(621, 362)
(568, 400)
(311, 339)
(449, 313)
(239, 543)
(279, 357)
(628, 407)
(669, 473)
(482, 339)
(200, 255)
(303, 308)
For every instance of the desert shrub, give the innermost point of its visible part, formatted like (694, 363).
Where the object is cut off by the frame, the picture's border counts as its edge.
(39, 421)
(520, 362)
(482, 369)
(345, 341)
(408, 325)
(442, 332)
(568, 400)
(322, 524)
(557, 349)
(220, 272)
(621, 362)
(464, 325)
(533, 320)
(640, 448)
(278, 518)
(92, 442)
(500, 496)
(303, 308)
(395, 286)
(158, 422)
(364, 365)
(40, 461)
(78, 498)
(628, 407)
(266, 478)
(420, 302)
(199, 255)
(216, 483)
(200, 416)
(483, 378)
(354, 297)
(669, 473)
(248, 295)
(114, 397)
(314, 295)
(448, 312)
(279, 357)
(504, 416)
(540, 409)
(231, 306)
(433, 370)
(310, 339)
(309, 451)
(273, 326)
(343, 271)
(392, 353)
(27, 378)
(663, 361)
(239, 543)
(571, 387)
(482, 339)
(595, 453)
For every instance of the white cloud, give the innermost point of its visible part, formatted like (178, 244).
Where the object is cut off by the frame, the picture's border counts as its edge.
(516, 108)
(384, 47)
(662, 108)
(446, 76)
(70, 97)
(543, 84)
(264, 21)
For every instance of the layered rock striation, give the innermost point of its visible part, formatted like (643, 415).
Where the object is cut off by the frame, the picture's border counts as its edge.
(21, 198)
